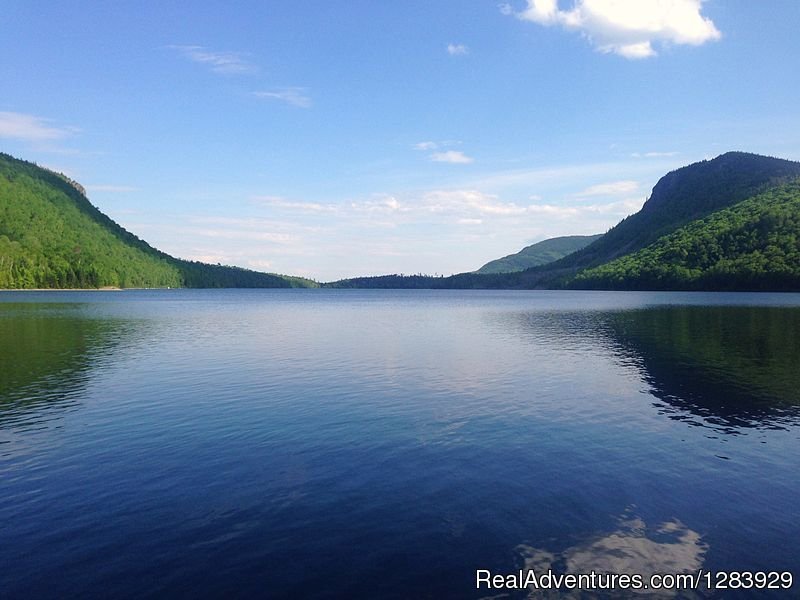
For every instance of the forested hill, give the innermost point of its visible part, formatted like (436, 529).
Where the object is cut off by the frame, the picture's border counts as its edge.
(51, 236)
(539, 253)
(730, 223)
(686, 194)
(753, 245)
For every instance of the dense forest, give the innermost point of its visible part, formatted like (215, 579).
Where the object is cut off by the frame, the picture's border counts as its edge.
(753, 245)
(540, 253)
(682, 196)
(51, 236)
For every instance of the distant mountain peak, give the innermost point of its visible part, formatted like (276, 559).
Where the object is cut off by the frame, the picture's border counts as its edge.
(737, 175)
(540, 253)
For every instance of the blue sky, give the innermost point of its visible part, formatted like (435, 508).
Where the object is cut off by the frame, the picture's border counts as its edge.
(356, 138)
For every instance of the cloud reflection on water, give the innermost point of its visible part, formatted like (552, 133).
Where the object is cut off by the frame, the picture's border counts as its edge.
(632, 548)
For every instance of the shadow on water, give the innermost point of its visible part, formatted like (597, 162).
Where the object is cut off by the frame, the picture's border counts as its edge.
(46, 354)
(730, 368)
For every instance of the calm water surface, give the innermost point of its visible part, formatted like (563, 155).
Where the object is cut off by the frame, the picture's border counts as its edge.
(374, 444)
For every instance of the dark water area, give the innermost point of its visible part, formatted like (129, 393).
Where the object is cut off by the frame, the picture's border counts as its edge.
(388, 444)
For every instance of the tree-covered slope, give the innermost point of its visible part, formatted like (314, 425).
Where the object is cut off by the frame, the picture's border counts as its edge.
(541, 253)
(753, 245)
(51, 236)
(686, 194)
(679, 198)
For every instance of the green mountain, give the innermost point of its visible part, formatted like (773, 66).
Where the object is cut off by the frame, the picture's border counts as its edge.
(727, 223)
(51, 236)
(683, 195)
(541, 253)
(752, 245)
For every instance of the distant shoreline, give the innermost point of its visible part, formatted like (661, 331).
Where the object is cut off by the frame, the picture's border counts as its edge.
(100, 289)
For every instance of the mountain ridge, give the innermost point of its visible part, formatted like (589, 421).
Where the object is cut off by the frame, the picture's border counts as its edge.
(537, 254)
(681, 197)
(752, 245)
(732, 222)
(698, 193)
(52, 236)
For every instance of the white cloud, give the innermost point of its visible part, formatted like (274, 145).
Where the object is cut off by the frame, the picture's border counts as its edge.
(627, 27)
(637, 50)
(280, 202)
(619, 209)
(468, 203)
(455, 157)
(386, 233)
(436, 145)
(29, 128)
(252, 229)
(232, 234)
(654, 154)
(224, 63)
(381, 204)
(296, 96)
(457, 49)
(462, 203)
(615, 188)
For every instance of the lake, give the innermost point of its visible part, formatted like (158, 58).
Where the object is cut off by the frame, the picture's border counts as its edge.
(388, 444)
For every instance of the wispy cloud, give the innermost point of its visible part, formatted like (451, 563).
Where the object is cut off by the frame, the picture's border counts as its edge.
(295, 96)
(463, 206)
(618, 209)
(379, 203)
(654, 154)
(628, 28)
(467, 204)
(251, 242)
(457, 49)
(30, 128)
(387, 232)
(455, 157)
(223, 63)
(436, 144)
(615, 188)
(554, 176)
(254, 229)
(283, 203)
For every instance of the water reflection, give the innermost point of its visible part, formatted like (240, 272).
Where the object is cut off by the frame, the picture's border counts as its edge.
(734, 367)
(729, 368)
(633, 547)
(46, 353)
